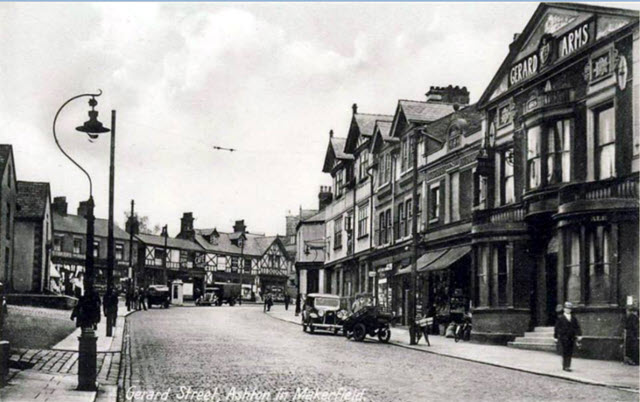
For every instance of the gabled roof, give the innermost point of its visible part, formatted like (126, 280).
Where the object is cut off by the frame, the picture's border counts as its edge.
(175, 243)
(555, 19)
(363, 124)
(254, 246)
(32, 199)
(469, 120)
(422, 112)
(335, 151)
(6, 151)
(381, 135)
(78, 224)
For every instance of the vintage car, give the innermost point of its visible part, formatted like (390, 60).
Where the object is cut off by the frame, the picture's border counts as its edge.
(322, 311)
(208, 299)
(367, 319)
(158, 295)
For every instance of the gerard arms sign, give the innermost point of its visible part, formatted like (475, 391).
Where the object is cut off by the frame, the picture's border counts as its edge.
(550, 49)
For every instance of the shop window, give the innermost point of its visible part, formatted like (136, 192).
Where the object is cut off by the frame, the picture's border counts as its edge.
(572, 267)
(77, 246)
(533, 157)
(454, 193)
(598, 240)
(337, 233)
(482, 282)
(434, 203)
(501, 274)
(605, 142)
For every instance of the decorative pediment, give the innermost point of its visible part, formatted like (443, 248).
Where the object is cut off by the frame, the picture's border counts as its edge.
(556, 32)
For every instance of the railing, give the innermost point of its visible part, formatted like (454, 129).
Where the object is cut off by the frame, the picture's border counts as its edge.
(505, 214)
(550, 98)
(620, 188)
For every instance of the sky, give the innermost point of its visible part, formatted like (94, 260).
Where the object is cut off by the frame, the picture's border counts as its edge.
(267, 79)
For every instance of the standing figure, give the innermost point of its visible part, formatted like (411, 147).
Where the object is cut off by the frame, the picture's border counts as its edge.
(287, 300)
(567, 332)
(298, 299)
(631, 336)
(269, 302)
(142, 299)
(266, 302)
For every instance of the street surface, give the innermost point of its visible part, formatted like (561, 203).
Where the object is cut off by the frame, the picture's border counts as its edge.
(215, 353)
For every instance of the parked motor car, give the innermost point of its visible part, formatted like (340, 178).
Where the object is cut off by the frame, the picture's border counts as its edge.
(208, 299)
(322, 311)
(226, 293)
(367, 319)
(158, 295)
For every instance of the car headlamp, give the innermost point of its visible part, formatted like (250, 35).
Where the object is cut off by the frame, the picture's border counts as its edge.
(313, 315)
(321, 313)
(342, 314)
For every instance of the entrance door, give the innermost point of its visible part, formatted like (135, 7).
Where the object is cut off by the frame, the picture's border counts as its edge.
(551, 274)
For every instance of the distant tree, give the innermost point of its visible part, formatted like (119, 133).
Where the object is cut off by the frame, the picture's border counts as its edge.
(144, 226)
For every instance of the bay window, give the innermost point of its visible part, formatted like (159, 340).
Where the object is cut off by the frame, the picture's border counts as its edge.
(572, 266)
(533, 157)
(605, 142)
(559, 151)
(508, 187)
(598, 243)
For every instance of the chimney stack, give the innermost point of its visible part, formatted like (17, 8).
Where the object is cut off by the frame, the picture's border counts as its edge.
(331, 133)
(325, 196)
(83, 208)
(186, 226)
(59, 205)
(239, 227)
(448, 95)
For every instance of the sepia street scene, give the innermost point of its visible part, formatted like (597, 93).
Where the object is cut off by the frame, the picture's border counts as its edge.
(331, 202)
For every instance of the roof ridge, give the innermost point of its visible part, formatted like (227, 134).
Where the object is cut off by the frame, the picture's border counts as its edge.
(374, 114)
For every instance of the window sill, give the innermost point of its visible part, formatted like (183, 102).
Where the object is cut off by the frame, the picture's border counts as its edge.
(363, 236)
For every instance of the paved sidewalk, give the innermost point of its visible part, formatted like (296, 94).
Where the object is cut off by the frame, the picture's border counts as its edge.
(52, 374)
(597, 372)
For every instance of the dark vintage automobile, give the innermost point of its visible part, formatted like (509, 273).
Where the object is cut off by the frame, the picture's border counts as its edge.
(367, 319)
(208, 299)
(322, 312)
(158, 295)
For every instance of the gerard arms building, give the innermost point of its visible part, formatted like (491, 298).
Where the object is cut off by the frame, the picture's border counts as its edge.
(557, 184)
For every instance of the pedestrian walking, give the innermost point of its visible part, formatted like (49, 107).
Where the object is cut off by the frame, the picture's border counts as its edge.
(266, 302)
(287, 300)
(269, 302)
(127, 298)
(567, 333)
(110, 307)
(631, 336)
(298, 299)
(142, 299)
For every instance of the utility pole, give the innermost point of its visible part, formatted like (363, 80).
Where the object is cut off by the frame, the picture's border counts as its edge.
(165, 234)
(414, 243)
(132, 273)
(110, 241)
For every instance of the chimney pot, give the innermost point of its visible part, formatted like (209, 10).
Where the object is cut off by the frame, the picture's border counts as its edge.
(355, 108)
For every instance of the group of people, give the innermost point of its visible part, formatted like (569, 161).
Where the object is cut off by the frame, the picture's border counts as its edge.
(268, 302)
(136, 298)
(86, 312)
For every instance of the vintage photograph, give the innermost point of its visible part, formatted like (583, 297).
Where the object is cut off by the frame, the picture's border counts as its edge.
(319, 201)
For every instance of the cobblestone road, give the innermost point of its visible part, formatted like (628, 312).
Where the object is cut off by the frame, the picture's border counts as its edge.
(232, 349)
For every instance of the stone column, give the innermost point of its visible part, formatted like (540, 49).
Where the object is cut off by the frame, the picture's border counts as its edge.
(321, 281)
(303, 281)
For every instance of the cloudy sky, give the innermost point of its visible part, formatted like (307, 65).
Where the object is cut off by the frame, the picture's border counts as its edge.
(268, 79)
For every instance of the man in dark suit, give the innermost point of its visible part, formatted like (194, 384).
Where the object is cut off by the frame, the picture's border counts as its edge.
(567, 331)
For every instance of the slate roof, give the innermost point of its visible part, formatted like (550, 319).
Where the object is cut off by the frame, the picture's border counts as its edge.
(382, 134)
(78, 224)
(417, 111)
(157, 240)
(366, 122)
(255, 245)
(335, 150)
(32, 199)
(5, 154)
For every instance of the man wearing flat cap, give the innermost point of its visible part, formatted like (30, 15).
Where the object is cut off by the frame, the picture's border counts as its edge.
(567, 331)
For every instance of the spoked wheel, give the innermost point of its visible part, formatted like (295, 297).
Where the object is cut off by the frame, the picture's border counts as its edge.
(384, 334)
(359, 332)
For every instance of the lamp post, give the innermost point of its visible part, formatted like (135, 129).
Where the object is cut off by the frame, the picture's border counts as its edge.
(165, 234)
(241, 265)
(89, 302)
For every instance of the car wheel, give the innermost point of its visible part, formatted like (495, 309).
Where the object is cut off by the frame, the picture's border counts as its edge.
(336, 331)
(384, 334)
(359, 332)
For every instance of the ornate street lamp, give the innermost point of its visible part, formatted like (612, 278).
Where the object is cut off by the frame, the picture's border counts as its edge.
(89, 303)
(241, 240)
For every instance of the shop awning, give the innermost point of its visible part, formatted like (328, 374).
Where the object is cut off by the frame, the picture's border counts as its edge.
(429, 258)
(449, 257)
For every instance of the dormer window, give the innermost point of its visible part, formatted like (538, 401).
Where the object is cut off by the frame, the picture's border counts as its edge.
(454, 137)
(338, 183)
